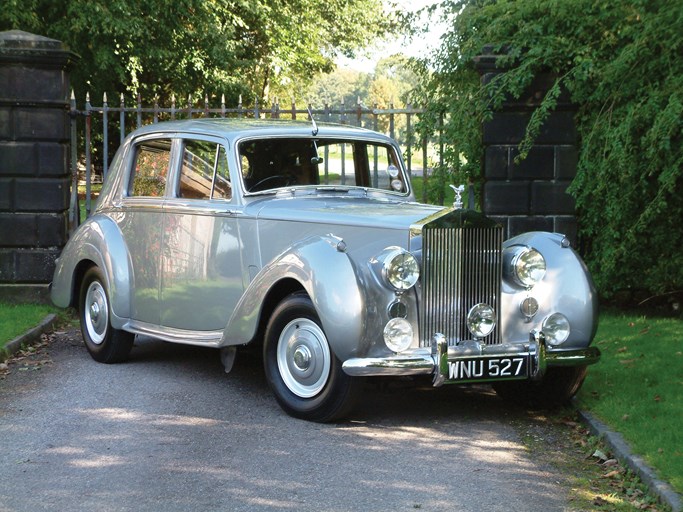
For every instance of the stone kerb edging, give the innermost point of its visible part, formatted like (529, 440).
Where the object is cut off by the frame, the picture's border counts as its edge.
(28, 338)
(637, 464)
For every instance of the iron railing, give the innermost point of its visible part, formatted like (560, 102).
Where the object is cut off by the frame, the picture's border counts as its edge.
(90, 156)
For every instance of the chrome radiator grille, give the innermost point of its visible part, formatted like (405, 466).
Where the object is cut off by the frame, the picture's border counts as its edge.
(461, 267)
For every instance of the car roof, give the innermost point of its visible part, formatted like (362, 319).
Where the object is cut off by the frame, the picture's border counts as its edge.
(232, 128)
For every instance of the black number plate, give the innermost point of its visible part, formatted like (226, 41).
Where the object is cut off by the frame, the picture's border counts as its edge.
(488, 368)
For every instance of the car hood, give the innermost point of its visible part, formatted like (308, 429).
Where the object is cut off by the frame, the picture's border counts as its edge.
(343, 210)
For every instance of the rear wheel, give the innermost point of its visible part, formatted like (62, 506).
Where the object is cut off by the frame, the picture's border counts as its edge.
(555, 389)
(105, 344)
(305, 376)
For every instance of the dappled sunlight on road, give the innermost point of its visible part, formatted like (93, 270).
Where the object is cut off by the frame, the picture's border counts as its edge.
(172, 431)
(152, 419)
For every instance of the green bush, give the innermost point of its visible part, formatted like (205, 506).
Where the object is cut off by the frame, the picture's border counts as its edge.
(621, 63)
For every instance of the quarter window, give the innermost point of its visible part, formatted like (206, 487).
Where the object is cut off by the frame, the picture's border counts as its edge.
(152, 159)
(222, 188)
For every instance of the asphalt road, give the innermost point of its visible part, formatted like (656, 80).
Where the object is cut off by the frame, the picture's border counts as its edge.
(170, 431)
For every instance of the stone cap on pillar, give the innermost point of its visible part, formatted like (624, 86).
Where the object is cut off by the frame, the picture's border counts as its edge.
(20, 46)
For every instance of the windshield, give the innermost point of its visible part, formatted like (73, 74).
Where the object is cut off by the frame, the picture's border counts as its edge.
(268, 164)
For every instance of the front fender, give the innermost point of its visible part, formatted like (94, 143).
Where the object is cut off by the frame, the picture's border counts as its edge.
(325, 271)
(97, 240)
(567, 288)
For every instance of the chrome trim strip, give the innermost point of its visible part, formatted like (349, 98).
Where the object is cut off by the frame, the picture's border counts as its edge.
(200, 338)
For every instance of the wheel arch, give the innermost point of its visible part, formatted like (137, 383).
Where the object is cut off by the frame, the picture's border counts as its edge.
(326, 274)
(275, 296)
(98, 242)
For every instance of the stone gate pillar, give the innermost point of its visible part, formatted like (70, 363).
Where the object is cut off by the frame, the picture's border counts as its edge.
(34, 153)
(530, 195)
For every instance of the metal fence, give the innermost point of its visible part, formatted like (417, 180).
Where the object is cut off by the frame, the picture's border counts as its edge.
(103, 128)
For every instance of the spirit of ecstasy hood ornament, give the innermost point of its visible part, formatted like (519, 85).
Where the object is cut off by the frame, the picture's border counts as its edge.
(457, 204)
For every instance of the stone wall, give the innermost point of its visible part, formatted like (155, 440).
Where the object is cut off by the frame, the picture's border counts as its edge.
(34, 172)
(530, 195)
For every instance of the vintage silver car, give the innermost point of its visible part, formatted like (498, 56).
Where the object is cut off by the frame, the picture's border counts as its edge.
(308, 239)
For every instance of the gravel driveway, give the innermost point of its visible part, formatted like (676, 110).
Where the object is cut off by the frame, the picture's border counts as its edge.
(169, 430)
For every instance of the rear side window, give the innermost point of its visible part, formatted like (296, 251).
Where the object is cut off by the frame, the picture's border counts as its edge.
(204, 172)
(152, 160)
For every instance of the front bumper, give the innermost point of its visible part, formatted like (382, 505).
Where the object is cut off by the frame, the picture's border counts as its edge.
(438, 359)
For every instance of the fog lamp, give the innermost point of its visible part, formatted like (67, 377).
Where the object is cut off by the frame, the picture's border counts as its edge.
(556, 329)
(398, 334)
(481, 320)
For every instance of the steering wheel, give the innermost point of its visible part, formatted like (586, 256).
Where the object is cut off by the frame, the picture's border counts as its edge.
(259, 185)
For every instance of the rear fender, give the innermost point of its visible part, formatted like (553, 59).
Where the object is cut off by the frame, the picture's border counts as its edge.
(98, 241)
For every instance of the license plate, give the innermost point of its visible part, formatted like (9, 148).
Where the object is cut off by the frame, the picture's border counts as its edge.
(488, 368)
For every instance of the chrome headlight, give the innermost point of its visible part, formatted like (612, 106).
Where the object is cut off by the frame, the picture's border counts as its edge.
(556, 329)
(398, 334)
(400, 268)
(524, 265)
(481, 320)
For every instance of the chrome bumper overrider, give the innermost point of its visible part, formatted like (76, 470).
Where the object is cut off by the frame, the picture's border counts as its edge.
(434, 361)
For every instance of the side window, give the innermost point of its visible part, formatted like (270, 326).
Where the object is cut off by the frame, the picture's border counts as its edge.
(200, 159)
(152, 159)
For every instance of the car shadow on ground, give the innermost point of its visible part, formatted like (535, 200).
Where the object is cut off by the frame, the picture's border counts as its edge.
(381, 399)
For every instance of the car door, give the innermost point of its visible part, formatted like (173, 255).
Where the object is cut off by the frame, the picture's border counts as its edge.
(140, 219)
(201, 276)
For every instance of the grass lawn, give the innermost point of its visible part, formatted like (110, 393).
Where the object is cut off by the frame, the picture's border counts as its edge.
(637, 387)
(16, 319)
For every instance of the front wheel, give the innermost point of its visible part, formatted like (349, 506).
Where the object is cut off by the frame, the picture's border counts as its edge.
(555, 389)
(305, 376)
(105, 344)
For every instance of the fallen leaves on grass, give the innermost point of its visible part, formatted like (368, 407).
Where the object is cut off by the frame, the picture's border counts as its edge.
(611, 485)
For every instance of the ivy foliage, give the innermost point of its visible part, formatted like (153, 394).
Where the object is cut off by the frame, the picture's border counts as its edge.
(621, 63)
(257, 48)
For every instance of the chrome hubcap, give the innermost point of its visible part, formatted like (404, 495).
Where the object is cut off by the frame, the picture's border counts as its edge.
(96, 312)
(303, 357)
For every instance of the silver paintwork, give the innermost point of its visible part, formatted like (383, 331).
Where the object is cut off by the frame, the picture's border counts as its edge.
(205, 272)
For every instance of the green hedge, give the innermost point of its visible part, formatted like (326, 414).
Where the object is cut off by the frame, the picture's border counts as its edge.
(622, 64)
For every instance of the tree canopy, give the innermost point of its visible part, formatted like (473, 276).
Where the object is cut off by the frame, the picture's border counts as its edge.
(196, 47)
(622, 64)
